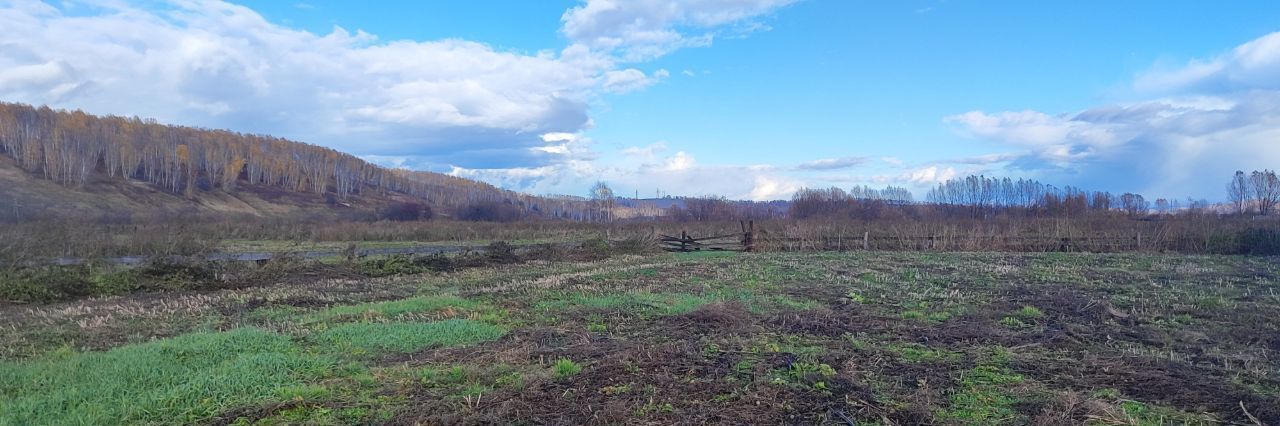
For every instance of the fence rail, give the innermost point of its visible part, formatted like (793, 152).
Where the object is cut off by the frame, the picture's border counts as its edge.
(742, 241)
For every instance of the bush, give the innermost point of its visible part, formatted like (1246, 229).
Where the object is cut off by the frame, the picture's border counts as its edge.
(170, 273)
(1259, 242)
(438, 262)
(45, 285)
(490, 211)
(398, 264)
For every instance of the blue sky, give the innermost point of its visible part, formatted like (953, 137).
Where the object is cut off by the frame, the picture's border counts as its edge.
(743, 98)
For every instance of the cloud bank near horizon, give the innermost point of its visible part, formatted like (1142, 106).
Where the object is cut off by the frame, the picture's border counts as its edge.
(1188, 128)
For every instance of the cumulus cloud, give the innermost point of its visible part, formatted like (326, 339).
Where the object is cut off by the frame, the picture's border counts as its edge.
(1206, 119)
(928, 175)
(1249, 66)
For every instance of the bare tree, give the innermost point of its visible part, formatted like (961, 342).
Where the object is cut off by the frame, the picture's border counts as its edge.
(1239, 192)
(602, 194)
(1163, 206)
(1266, 190)
(1134, 204)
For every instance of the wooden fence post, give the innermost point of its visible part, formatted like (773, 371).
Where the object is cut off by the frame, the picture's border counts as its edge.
(866, 243)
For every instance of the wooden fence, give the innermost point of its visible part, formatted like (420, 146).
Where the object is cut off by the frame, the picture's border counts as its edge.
(743, 241)
(749, 240)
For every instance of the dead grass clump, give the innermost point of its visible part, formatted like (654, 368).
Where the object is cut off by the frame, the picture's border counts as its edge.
(724, 317)
(501, 252)
(1070, 408)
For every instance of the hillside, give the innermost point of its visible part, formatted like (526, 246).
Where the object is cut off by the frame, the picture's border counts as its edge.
(69, 163)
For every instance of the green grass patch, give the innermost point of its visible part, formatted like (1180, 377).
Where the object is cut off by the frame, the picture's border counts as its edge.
(395, 308)
(983, 396)
(702, 255)
(364, 338)
(180, 380)
(1013, 322)
(917, 353)
(1029, 313)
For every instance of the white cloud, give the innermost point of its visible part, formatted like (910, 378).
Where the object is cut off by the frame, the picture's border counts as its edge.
(645, 153)
(628, 80)
(1250, 66)
(1203, 121)
(680, 161)
(832, 163)
(772, 188)
(928, 175)
(634, 30)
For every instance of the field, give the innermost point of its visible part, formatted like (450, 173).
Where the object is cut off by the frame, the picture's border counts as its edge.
(810, 338)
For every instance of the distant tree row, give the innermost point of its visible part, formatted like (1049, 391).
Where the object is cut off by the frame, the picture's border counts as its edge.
(71, 147)
(710, 208)
(859, 202)
(983, 194)
(979, 196)
(1258, 191)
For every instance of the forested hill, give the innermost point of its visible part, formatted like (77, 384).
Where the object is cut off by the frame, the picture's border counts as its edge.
(87, 155)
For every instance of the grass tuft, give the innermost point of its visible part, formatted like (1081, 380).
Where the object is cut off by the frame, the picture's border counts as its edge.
(565, 367)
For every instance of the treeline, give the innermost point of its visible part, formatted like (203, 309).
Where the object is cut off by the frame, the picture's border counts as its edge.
(980, 196)
(72, 147)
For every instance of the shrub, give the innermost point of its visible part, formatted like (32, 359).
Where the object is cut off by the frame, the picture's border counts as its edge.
(398, 264)
(1259, 242)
